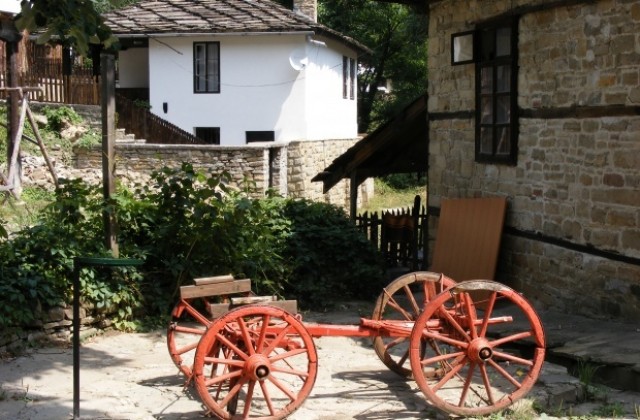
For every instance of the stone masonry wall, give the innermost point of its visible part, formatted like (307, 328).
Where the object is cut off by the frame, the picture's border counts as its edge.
(287, 168)
(577, 178)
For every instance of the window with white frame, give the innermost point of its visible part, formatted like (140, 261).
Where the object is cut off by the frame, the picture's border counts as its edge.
(206, 67)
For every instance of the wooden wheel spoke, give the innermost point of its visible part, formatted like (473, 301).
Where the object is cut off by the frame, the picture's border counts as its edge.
(412, 300)
(467, 384)
(512, 358)
(442, 311)
(296, 372)
(487, 314)
(395, 305)
(505, 374)
(224, 340)
(454, 371)
(263, 332)
(441, 358)
(248, 343)
(487, 384)
(187, 348)
(510, 338)
(391, 344)
(227, 362)
(470, 316)
(221, 378)
(439, 337)
(287, 354)
(282, 387)
(233, 392)
(272, 345)
(267, 397)
(248, 399)
(189, 330)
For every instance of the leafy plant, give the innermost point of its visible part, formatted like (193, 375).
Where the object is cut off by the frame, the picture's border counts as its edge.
(60, 117)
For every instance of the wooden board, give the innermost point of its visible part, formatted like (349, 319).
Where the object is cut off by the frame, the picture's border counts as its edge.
(468, 238)
(215, 279)
(216, 310)
(216, 289)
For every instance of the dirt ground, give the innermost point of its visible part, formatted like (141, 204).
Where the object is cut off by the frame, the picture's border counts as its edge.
(131, 376)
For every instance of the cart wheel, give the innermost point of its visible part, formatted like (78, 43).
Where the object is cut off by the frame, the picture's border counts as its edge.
(403, 300)
(255, 362)
(185, 330)
(489, 348)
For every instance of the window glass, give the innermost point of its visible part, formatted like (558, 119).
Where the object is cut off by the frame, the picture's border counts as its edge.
(206, 67)
(503, 79)
(503, 109)
(504, 141)
(486, 141)
(503, 42)
(486, 79)
(487, 110)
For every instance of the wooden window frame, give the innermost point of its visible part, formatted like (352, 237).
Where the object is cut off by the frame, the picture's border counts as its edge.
(485, 44)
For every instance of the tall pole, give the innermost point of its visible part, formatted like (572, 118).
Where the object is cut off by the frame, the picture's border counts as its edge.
(108, 99)
(14, 114)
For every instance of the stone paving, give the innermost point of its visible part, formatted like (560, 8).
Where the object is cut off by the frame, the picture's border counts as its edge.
(130, 376)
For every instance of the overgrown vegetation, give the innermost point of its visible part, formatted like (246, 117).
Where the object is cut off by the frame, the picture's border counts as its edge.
(183, 224)
(397, 191)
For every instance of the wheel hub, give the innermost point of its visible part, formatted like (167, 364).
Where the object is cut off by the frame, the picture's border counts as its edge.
(479, 350)
(258, 367)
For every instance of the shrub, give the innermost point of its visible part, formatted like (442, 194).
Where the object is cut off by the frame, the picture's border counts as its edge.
(60, 117)
(184, 224)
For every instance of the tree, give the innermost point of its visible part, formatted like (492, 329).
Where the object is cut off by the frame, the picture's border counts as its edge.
(397, 35)
(73, 23)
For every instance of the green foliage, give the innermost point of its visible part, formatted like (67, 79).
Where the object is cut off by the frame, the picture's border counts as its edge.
(332, 259)
(60, 117)
(397, 36)
(76, 23)
(184, 224)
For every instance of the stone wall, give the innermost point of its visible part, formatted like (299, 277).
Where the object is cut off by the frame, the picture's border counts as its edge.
(287, 168)
(572, 238)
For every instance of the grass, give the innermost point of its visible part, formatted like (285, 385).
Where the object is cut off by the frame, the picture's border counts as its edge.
(388, 195)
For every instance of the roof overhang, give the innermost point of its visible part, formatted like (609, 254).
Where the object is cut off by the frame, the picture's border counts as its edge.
(398, 146)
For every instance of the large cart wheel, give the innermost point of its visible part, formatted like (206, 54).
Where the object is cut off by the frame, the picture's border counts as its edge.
(489, 348)
(255, 362)
(404, 299)
(186, 328)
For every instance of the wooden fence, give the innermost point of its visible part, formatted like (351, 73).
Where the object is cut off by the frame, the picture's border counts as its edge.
(137, 119)
(399, 234)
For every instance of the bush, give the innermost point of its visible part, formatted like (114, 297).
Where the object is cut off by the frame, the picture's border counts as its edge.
(58, 118)
(184, 224)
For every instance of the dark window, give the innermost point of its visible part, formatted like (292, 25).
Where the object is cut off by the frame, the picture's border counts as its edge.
(352, 78)
(206, 67)
(254, 136)
(345, 76)
(496, 94)
(348, 77)
(210, 135)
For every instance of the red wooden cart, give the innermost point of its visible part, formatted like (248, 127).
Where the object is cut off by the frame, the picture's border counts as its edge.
(473, 347)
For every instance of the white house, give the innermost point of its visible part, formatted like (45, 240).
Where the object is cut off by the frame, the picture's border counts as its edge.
(235, 72)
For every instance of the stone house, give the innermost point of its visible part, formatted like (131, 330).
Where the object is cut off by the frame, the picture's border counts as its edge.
(539, 101)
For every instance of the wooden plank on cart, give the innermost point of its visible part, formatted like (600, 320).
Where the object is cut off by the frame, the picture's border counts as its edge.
(213, 280)
(216, 289)
(216, 310)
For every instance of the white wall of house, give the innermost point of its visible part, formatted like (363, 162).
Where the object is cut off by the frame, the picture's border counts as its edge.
(260, 90)
(133, 68)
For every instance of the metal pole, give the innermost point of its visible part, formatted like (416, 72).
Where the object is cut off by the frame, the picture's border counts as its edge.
(76, 339)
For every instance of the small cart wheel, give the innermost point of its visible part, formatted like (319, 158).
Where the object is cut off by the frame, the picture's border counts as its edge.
(489, 348)
(185, 330)
(404, 299)
(256, 361)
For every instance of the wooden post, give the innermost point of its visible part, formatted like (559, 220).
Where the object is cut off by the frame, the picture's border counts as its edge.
(353, 196)
(107, 65)
(13, 138)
